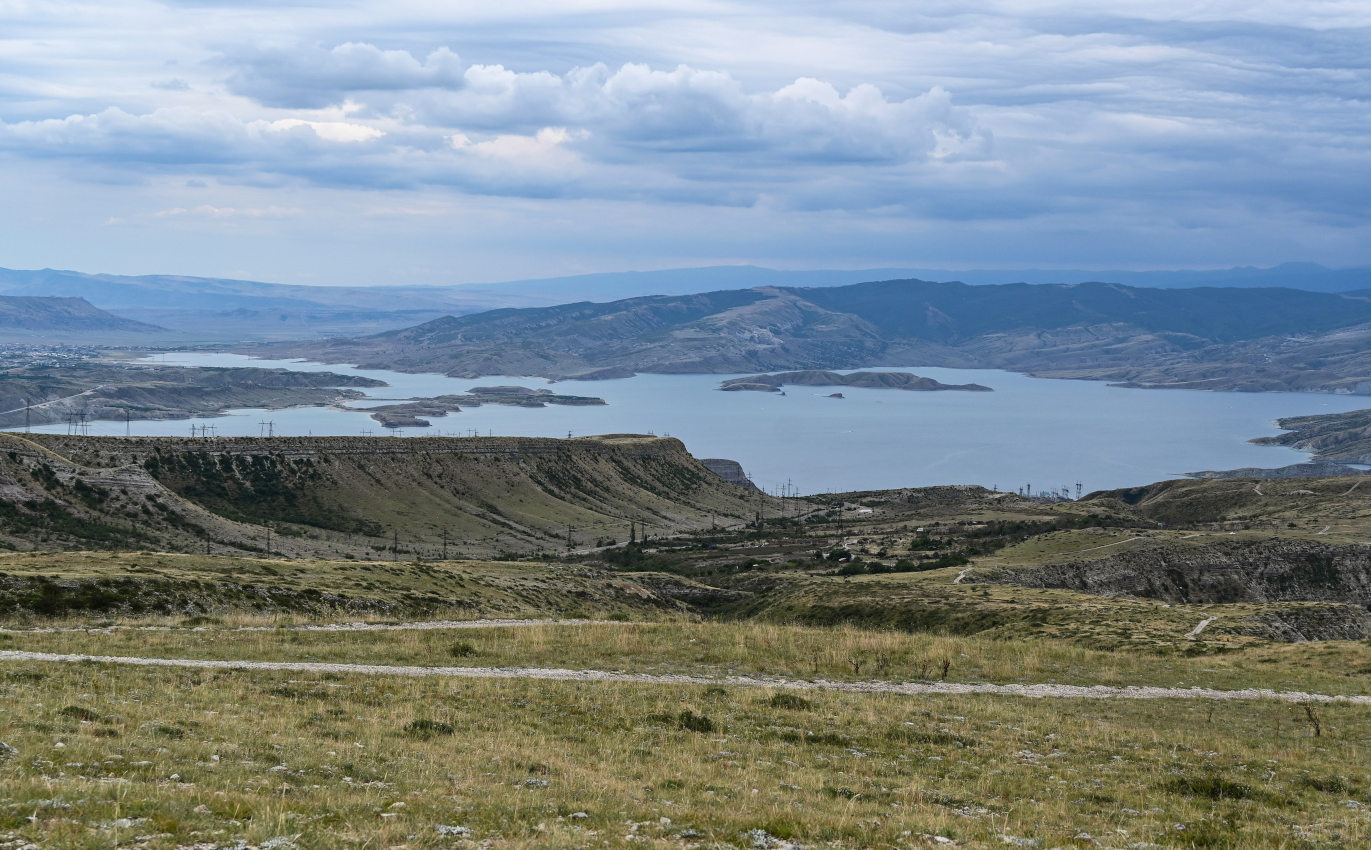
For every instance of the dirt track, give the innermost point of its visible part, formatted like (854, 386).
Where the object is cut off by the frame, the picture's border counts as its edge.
(563, 675)
(418, 625)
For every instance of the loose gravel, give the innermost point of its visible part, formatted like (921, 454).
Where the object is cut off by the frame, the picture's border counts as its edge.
(564, 675)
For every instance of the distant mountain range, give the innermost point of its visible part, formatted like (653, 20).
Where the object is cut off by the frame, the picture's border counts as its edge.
(1209, 338)
(611, 286)
(216, 309)
(32, 317)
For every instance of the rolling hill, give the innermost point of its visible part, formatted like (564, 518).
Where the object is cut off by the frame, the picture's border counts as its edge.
(1205, 338)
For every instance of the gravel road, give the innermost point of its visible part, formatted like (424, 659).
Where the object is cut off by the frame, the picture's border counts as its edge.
(421, 625)
(564, 675)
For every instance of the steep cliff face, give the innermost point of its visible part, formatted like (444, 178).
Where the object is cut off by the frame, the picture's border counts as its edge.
(729, 470)
(340, 496)
(1277, 570)
(1293, 623)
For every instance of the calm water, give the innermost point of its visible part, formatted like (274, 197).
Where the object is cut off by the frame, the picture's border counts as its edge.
(1046, 433)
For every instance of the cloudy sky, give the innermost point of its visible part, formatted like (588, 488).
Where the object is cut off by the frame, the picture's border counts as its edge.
(442, 142)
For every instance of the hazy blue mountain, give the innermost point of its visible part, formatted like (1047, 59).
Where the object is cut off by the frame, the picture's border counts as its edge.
(30, 317)
(616, 285)
(227, 309)
(211, 309)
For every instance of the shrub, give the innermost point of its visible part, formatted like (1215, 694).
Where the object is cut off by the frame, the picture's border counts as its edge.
(77, 712)
(425, 729)
(790, 701)
(693, 722)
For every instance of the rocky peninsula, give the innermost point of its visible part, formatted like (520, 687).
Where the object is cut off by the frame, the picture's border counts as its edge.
(416, 412)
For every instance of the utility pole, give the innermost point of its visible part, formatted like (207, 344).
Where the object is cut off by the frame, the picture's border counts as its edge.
(445, 544)
(26, 416)
(395, 544)
(268, 528)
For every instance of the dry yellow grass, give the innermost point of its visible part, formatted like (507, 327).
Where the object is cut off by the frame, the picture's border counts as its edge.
(163, 759)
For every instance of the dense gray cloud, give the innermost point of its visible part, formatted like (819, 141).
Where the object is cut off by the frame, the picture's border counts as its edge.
(1147, 122)
(685, 133)
(313, 77)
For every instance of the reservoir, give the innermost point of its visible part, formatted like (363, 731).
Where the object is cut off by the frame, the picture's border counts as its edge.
(1045, 433)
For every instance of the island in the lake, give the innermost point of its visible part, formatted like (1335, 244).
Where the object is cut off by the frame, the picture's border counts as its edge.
(411, 413)
(869, 380)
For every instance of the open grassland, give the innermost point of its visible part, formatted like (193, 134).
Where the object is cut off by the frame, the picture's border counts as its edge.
(44, 585)
(165, 758)
(935, 602)
(1196, 585)
(1336, 507)
(713, 649)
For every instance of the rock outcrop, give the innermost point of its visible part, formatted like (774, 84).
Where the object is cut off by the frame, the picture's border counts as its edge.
(1277, 570)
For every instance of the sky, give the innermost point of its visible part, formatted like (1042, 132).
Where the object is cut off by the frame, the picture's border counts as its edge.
(418, 141)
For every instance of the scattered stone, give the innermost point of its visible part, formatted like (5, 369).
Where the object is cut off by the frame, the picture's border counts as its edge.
(534, 783)
(444, 829)
(762, 840)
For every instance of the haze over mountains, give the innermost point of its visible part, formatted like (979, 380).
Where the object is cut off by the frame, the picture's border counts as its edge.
(218, 309)
(39, 317)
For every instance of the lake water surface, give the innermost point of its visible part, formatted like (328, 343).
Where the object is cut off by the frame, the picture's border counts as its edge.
(1047, 433)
